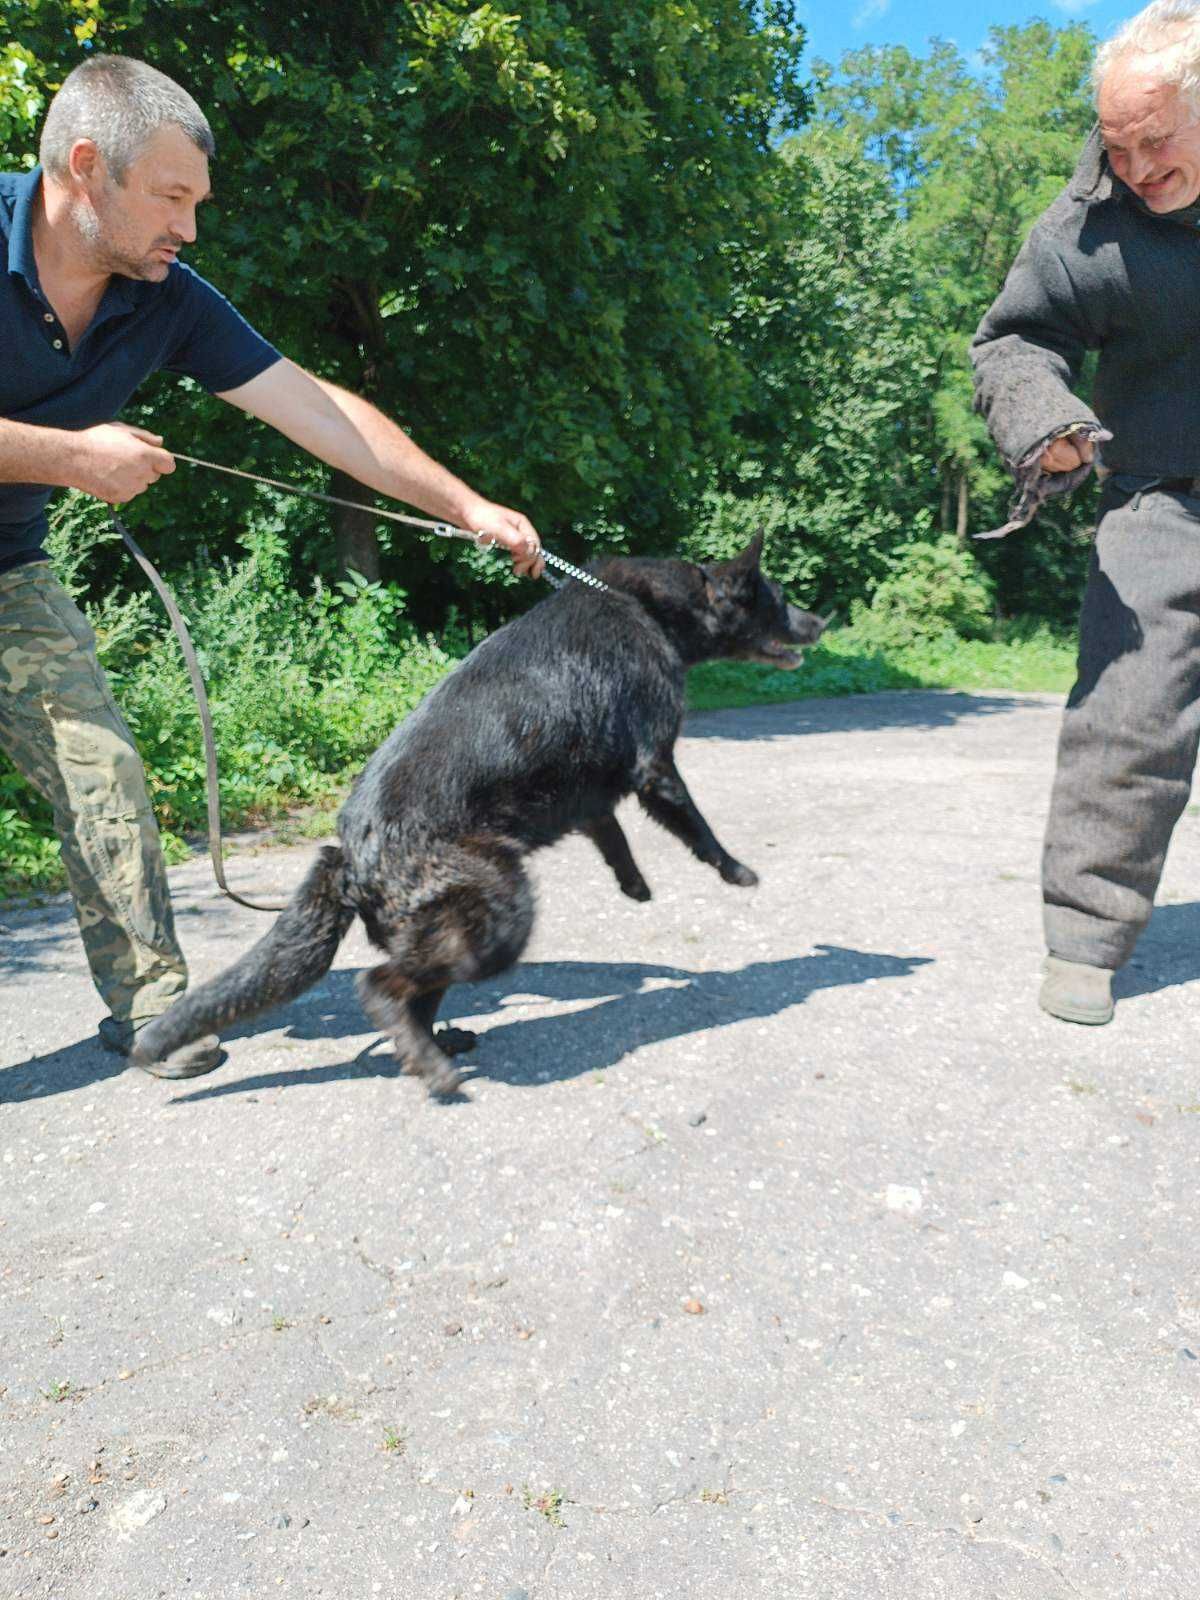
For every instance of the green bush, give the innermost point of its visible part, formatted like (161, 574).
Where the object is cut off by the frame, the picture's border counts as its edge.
(935, 588)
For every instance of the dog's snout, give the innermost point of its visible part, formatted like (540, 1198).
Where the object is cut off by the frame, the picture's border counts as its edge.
(804, 626)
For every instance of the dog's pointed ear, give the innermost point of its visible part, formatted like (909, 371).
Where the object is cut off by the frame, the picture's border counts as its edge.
(738, 571)
(750, 558)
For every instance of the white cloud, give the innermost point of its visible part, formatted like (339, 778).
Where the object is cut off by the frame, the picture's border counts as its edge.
(872, 10)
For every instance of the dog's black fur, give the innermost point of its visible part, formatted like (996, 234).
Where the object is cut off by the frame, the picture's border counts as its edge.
(541, 731)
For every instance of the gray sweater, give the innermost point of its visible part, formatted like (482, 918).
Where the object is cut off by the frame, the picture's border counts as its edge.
(1100, 272)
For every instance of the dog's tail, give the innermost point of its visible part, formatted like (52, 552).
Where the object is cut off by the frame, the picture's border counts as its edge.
(298, 950)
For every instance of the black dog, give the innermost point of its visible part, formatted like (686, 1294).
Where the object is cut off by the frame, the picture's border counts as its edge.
(541, 730)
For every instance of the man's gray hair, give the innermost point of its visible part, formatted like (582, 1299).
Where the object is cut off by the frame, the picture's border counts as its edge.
(119, 104)
(1168, 33)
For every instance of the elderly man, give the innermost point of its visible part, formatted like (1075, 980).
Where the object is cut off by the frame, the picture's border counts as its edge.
(93, 298)
(1114, 266)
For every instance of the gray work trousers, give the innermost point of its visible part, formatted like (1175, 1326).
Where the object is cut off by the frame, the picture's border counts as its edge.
(1130, 731)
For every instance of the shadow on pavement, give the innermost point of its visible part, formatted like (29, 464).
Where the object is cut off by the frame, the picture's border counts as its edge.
(531, 1050)
(1167, 954)
(59, 1072)
(32, 940)
(857, 713)
(635, 1004)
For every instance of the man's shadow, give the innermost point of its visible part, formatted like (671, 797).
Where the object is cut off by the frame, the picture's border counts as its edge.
(637, 1004)
(1167, 954)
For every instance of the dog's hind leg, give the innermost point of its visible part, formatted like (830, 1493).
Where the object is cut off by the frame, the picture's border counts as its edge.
(473, 924)
(607, 834)
(388, 993)
(665, 797)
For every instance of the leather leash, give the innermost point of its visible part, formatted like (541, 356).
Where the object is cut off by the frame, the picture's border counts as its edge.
(212, 787)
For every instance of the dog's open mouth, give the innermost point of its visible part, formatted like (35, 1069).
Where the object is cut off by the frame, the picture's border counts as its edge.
(780, 656)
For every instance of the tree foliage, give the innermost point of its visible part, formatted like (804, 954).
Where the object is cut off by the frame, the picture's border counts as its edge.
(614, 264)
(974, 153)
(506, 225)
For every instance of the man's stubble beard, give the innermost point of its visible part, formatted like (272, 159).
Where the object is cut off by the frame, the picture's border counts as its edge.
(103, 254)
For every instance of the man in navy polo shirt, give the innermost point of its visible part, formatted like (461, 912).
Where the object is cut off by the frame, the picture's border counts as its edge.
(93, 298)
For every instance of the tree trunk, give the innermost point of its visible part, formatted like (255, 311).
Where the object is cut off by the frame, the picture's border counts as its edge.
(354, 531)
(964, 503)
(355, 315)
(945, 517)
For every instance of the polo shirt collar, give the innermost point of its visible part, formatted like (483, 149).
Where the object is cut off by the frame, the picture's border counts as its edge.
(21, 260)
(121, 294)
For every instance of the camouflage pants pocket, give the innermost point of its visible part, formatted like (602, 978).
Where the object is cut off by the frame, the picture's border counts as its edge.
(61, 728)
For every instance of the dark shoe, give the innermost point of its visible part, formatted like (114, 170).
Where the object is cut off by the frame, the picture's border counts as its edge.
(192, 1061)
(1076, 992)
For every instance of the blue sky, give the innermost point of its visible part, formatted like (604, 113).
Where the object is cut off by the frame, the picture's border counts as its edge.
(838, 25)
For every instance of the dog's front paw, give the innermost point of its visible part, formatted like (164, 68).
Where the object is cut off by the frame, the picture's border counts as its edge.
(735, 872)
(636, 889)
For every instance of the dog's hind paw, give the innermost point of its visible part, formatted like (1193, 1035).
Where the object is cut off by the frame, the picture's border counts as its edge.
(735, 872)
(455, 1041)
(443, 1084)
(433, 1068)
(637, 889)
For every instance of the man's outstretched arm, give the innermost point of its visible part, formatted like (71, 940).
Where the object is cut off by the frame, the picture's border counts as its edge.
(352, 435)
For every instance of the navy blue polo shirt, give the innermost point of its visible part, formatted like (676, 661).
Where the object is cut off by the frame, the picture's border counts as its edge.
(181, 324)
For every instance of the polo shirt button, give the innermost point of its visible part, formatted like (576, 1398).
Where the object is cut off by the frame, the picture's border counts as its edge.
(58, 344)
(49, 316)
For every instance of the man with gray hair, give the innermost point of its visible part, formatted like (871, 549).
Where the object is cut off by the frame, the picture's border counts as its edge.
(94, 298)
(1114, 266)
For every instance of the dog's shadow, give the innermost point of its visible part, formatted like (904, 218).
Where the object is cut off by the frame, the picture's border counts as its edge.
(632, 1004)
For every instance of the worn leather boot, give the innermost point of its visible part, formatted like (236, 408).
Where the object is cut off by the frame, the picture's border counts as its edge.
(1076, 992)
(192, 1061)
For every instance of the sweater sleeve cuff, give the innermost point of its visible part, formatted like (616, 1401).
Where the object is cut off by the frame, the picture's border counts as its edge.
(1035, 487)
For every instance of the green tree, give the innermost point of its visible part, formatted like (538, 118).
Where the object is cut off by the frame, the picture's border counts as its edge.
(831, 464)
(506, 226)
(974, 157)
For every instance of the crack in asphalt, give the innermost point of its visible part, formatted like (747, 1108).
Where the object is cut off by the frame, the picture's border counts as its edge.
(966, 1534)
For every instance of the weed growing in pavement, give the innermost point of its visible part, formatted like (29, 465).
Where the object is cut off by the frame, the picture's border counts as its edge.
(548, 1504)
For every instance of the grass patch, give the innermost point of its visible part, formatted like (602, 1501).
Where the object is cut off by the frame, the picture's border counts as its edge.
(853, 661)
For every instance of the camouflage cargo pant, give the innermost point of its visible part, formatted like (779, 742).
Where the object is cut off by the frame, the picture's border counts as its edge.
(60, 727)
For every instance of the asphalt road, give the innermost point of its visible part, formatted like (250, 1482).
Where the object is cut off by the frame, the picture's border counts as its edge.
(783, 1246)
